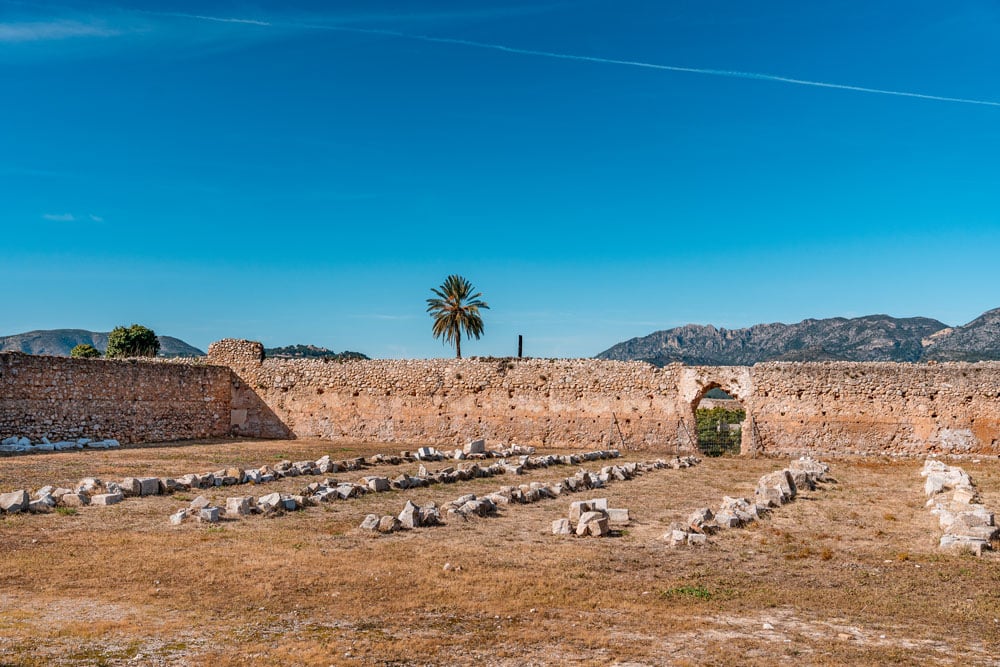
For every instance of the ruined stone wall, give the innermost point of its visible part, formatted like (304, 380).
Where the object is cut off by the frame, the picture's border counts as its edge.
(875, 408)
(447, 402)
(131, 401)
(792, 408)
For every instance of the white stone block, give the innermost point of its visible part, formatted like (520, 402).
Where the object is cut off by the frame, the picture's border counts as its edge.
(15, 501)
(106, 499)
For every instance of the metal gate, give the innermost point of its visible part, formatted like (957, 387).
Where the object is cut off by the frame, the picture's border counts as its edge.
(719, 430)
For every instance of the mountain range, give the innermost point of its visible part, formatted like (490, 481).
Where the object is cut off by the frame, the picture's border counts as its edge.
(310, 352)
(868, 338)
(59, 342)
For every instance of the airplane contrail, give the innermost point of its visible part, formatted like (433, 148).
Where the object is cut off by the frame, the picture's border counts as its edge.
(731, 74)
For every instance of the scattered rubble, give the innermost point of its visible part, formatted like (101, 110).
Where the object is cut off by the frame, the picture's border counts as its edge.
(200, 510)
(773, 490)
(591, 517)
(411, 517)
(967, 524)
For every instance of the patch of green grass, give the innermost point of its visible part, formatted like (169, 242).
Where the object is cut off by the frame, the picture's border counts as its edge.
(173, 647)
(96, 655)
(66, 511)
(698, 592)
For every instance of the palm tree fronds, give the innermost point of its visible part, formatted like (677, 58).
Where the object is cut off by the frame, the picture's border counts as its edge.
(456, 309)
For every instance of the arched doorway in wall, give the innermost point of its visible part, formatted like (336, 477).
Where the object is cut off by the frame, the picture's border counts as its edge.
(719, 422)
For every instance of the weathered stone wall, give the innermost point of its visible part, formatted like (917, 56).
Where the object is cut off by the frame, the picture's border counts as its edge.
(820, 408)
(132, 401)
(875, 408)
(447, 402)
(792, 408)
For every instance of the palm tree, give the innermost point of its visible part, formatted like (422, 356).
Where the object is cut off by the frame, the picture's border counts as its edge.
(456, 309)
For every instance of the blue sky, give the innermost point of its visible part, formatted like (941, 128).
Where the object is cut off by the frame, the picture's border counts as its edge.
(305, 172)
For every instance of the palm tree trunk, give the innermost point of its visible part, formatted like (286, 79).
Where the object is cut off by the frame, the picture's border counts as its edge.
(458, 346)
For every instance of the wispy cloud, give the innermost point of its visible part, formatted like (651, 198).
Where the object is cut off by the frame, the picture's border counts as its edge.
(213, 19)
(352, 23)
(70, 217)
(731, 74)
(37, 31)
(354, 18)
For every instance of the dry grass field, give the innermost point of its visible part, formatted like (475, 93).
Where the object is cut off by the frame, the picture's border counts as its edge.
(847, 574)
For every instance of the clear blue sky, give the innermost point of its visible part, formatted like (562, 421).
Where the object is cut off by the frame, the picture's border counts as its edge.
(305, 173)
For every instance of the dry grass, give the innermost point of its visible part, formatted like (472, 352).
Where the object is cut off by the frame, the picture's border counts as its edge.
(846, 574)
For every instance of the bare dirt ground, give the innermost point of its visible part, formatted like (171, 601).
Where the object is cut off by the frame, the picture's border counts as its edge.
(847, 574)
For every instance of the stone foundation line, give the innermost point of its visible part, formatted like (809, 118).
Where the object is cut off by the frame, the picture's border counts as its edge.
(469, 505)
(330, 489)
(91, 490)
(967, 524)
(14, 444)
(773, 490)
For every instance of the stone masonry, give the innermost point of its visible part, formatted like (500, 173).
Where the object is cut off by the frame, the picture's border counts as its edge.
(826, 408)
(792, 408)
(130, 400)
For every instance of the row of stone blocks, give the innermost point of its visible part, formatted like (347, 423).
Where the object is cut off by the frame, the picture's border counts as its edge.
(92, 491)
(773, 490)
(470, 505)
(967, 524)
(331, 489)
(203, 511)
(472, 449)
(24, 445)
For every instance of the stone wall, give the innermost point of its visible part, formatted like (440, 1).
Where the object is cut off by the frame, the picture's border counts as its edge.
(873, 408)
(792, 408)
(132, 401)
(447, 402)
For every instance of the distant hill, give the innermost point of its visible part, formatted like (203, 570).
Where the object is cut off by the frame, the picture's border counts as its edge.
(310, 352)
(59, 342)
(979, 340)
(869, 338)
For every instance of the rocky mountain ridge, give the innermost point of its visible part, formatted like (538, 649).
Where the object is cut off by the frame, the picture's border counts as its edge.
(868, 338)
(310, 352)
(59, 342)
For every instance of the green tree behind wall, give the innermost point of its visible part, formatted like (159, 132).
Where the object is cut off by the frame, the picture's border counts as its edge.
(84, 351)
(134, 341)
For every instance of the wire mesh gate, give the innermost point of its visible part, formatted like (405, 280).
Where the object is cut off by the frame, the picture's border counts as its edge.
(719, 430)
